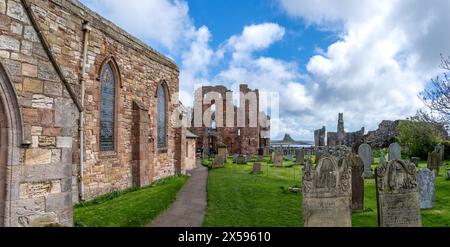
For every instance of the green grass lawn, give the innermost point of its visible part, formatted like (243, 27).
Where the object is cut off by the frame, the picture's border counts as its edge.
(238, 198)
(130, 208)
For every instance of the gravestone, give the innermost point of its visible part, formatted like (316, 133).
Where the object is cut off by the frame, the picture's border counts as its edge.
(235, 158)
(326, 190)
(242, 159)
(289, 157)
(441, 150)
(357, 165)
(219, 161)
(397, 195)
(425, 179)
(395, 152)
(366, 154)
(433, 162)
(300, 157)
(382, 157)
(257, 168)
(277, 158)
(222, 150)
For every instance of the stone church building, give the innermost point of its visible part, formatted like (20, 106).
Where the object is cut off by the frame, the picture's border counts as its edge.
(85, 109)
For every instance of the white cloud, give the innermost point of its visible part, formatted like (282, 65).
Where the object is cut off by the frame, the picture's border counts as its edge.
(386, 54)
(165, 24)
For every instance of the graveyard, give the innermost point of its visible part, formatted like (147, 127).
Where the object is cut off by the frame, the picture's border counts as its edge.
(239, 198)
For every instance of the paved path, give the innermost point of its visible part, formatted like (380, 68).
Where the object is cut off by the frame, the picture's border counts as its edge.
(189, 208)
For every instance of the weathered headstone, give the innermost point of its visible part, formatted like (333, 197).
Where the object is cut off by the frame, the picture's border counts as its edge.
(425, 179)
(382, 157)
(433, 162)
(289, 157)
(222, 150)
(366, 154)
(398, 195)
(256, 168)
(235, 158)
(395, 152)
(300, 157)
(441, 150)
(357, 165)
(326, 190)
(277, 158)
(242, 159)
(219, 161)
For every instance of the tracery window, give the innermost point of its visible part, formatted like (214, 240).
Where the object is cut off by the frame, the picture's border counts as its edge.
(107, 108)
(162, 117)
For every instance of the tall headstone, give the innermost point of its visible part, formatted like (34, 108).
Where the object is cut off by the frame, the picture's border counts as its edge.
(433, 162)
(277, 158)
(441, 150)
(397, 195)
(326, 190)
(300, 157)
(289, 157)
(256, 168)
(426, 180)
(235, 158)
(366, 154)
(357, 165)
(395, 152)
(382, 157)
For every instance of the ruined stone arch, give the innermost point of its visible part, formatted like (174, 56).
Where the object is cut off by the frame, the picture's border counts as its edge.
(10, 141)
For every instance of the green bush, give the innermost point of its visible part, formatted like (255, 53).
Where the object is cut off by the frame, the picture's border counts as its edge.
(419, 138)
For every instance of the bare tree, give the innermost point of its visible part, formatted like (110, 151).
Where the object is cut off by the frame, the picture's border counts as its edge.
(437, 98)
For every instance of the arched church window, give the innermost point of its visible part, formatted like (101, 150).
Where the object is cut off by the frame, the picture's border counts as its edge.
(162, 117)
(107, 107)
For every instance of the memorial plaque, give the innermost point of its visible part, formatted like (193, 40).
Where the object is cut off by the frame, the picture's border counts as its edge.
(395, 152)
(300, 157)
(425, 179)
(397, 195)
(327, 194)
(357, 165)
(366, 154)
(433, 162)
(219, 161)
(257, 168)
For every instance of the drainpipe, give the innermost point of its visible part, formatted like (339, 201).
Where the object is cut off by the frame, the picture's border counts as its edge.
(86, 30)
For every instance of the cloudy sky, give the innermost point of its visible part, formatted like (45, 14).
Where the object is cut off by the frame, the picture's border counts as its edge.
(369, 59)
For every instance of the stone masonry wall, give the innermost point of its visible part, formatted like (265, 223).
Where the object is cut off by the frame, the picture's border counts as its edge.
(141, 71)
(39, 189)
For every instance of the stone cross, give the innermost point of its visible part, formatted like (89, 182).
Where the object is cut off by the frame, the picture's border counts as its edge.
(397, 194)
(327, 193)
(366, 154)
(395, 152)
(426, 179)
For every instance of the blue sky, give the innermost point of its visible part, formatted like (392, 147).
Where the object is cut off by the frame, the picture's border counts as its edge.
(368, 59)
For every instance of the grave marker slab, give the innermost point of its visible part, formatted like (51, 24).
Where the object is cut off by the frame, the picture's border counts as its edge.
(357, 165)
(366, 154)
(398, 195)
(433, 162)
(300, 157)
(257, 168)
(395, 152)
(426, 179)
(326, 190)
(219, 161)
